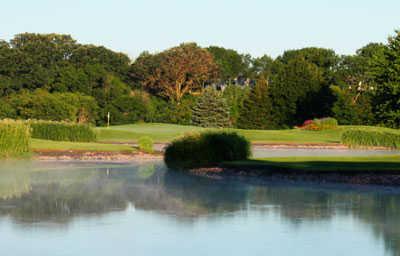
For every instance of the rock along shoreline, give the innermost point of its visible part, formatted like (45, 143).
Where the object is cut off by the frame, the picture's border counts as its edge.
(75, 155)
(381, 178)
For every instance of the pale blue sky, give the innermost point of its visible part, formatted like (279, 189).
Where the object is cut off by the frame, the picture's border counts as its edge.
(249, 26)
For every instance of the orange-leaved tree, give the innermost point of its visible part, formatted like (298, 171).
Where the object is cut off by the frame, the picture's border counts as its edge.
(178, 71)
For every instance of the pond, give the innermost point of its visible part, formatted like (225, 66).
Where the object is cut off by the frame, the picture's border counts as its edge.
(72, 208)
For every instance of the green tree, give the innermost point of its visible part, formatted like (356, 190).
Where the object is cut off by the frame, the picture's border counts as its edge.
(350, 112)
(235, 96)
(211, 110)
(387, 76)
(256, 110)
(356, 86)
(298, 92)
(262, 66)
(231, 64)
(43, 105)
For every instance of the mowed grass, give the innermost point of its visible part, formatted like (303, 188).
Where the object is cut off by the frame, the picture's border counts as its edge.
(49, 145)
(131, 133)
(370, 163)
(168, 132)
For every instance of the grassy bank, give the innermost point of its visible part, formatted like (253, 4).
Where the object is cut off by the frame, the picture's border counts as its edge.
(48, 145)
(167, 132)
(328, 164)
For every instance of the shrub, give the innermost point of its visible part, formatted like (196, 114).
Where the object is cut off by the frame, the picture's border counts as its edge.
(62, 131)
(364, 138)
(205, 149)
(326, 123)
(145, 144)
(14, 138)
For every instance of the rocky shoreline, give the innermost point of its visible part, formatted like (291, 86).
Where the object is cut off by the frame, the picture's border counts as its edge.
(94, 156)
(259, 145)
(384, 178)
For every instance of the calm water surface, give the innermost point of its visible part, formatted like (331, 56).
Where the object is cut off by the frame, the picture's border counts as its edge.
(141, 209)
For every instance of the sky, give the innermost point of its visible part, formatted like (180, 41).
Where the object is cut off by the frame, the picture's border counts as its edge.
(257, 27)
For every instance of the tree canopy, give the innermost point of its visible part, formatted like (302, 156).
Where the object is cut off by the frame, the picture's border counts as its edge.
(178, 71)
(52, 76)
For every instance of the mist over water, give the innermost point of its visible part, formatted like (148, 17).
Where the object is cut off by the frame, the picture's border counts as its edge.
(76, 208)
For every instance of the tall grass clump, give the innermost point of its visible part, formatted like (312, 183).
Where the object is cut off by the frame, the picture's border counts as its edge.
(363, 138)
(145, 144)
(206, 149)
(62, 131)
(14, 138)
(326, 123)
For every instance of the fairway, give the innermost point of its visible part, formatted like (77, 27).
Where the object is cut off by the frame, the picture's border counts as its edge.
(167, 132)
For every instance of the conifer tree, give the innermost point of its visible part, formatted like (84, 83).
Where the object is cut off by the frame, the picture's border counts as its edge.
(211, 110)
(256, 110)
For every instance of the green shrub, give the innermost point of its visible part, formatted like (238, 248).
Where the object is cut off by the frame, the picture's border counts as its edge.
(327, 123)
(14, 138)
(363, 138)
(62, 131)
(145, 144)
(205, 149)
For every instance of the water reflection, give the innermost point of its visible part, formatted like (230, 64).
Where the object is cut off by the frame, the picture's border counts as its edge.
(59, 193)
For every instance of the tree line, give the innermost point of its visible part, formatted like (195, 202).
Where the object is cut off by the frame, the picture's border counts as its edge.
(53, 77)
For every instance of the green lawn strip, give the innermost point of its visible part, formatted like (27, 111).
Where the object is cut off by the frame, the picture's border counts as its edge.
(372, 163)
(158, 132)
(167, 132)
(48, 145)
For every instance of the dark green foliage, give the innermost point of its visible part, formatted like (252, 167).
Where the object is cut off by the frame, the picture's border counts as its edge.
(262, 66)
(294, 90)
(235, 96)
(387, 76)
(350, 111)
(206, 149)
(256, 110)
(6, 110)
(51, 76)
(43, 105)
(128, 109)
(231, 64)
(161, 111)
(62, 131)
(211, 110)
(14, 138)
(363, 138)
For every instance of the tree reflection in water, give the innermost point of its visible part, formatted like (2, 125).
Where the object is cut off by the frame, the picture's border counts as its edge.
(32, 192)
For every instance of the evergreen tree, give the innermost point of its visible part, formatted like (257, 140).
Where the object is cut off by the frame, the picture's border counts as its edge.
(256, 110)
(211, 110)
